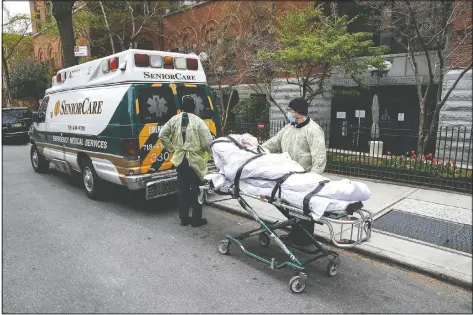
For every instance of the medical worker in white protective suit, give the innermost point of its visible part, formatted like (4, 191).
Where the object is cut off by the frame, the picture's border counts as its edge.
(188, 138)
(304, 141)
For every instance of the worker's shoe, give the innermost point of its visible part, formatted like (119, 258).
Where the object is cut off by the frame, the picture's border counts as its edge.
(199, 222)
(186, 221)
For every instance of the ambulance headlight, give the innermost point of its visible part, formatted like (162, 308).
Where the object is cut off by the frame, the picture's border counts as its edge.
(156, 61)
(180, 63)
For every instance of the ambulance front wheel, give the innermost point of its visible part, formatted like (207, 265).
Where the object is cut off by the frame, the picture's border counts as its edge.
(92, 183)
(39, 163)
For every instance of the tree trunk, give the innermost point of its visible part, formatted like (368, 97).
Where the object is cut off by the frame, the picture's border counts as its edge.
(228, 106)
(7, 79)
(62, 11)
(222, 107)
(421, 126)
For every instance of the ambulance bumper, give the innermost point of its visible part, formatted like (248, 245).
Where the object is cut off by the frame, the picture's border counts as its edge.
(157, 185)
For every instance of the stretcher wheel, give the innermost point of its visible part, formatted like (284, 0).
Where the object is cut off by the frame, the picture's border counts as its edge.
(224, 247)
(297, 284)
(264, 239)
(332, 268)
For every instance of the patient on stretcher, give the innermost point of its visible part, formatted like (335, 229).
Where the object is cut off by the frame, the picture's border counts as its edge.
(240, 158)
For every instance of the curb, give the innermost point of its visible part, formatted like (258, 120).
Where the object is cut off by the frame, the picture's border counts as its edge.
(410, 266)
(367, 252)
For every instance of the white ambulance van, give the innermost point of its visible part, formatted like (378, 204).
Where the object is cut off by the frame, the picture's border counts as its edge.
(102, 119)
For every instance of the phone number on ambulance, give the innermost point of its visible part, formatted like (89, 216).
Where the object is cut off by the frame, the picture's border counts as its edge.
(150, 146)
(81, 128)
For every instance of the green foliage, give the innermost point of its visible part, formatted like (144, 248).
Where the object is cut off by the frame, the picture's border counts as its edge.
(313, 45)
(29, 79)
(16, 43)
(252, 109)
(420, 166)
(16, 47)
(81, 21)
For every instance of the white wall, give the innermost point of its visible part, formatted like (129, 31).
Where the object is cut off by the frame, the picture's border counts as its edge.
(456, 116)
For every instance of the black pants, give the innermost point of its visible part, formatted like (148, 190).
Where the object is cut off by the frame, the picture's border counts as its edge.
(188, 185)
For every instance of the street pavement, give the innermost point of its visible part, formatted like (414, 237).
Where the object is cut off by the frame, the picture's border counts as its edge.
(64, 253)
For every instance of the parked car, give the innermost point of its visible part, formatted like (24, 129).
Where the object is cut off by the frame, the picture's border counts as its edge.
(16, 122)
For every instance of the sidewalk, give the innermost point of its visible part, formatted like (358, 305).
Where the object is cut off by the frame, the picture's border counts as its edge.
(425, 230)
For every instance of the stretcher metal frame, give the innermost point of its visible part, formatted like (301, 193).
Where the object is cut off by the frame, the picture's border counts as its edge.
(360, 224)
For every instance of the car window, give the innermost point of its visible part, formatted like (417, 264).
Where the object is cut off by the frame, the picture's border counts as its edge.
(156, 104)
(202, 105)
(16, 113)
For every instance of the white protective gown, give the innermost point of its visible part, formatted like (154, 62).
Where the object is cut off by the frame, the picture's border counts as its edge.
(304, 143)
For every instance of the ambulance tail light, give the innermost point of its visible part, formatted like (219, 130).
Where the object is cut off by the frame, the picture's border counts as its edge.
(60, 77)
(114, 63)
(141, 60)
(130, 147)
(168, 62)
(192, 64)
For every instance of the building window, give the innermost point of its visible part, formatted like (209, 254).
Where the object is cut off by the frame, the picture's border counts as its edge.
(144, 44)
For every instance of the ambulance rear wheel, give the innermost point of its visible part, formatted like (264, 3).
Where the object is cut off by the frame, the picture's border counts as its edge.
(92, 183)
(39, 163)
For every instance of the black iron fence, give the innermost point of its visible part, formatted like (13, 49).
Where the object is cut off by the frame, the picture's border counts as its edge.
(390, 154)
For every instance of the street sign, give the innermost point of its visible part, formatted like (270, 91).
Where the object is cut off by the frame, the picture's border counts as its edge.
(400, 117)
(81, 51)
(359, 113)
(341, 115)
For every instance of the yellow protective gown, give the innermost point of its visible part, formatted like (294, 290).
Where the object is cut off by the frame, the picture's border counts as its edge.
(197, 146)
(305, 144)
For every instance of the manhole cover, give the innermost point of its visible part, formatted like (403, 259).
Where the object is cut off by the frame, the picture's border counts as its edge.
(430, 230)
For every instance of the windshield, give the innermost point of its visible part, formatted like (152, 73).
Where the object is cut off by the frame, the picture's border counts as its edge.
(15, 114)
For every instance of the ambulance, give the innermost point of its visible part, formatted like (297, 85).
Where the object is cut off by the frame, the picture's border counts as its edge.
(102, 119)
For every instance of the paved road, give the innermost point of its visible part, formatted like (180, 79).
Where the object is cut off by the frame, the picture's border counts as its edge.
(67, 254)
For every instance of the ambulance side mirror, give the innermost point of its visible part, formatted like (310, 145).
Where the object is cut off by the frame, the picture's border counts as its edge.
(35, 117)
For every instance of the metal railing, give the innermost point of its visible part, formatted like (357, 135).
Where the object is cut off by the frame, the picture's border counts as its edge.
(445, 162)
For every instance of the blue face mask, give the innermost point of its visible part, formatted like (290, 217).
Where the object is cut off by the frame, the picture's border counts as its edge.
(291, 118)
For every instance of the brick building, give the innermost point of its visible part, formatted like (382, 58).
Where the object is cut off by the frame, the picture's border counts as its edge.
(462, 23)
(47, 47)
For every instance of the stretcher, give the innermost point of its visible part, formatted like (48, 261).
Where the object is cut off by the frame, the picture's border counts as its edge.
(358, 220)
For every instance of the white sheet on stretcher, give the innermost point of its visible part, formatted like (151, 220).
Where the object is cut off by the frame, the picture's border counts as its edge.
(258, 178)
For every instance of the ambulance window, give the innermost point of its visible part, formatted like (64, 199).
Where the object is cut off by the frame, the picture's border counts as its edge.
(42, 109)
(202, 106)
(156, 104)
